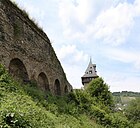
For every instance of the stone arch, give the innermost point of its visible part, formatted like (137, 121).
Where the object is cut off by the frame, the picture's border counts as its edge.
(57, 88)
(43, 82)
(66, 89)
(18, 70)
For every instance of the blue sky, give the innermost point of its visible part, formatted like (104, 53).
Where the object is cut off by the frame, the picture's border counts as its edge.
(107, 31)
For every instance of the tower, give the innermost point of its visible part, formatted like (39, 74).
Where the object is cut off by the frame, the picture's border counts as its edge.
(90, 73)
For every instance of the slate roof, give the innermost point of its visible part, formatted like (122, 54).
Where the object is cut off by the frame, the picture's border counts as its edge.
(91, 70)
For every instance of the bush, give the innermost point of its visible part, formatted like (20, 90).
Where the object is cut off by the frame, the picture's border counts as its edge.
(28, 107)
(97, 113)
(13, 120)
(137, 125)
(4, 76)
(99, 90)
(132, 111)
(117, 120)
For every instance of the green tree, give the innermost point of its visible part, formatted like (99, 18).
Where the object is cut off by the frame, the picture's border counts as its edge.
(133, 110)
(100, 90)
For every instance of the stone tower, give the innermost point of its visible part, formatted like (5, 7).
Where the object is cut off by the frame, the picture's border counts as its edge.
(90, 73)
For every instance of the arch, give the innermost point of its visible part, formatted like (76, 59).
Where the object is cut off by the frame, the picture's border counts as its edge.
(66, 89)
(18, 70)
(57, 87)
(43, 82)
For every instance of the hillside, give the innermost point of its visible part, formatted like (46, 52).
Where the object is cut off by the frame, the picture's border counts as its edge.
(127, 93)
(125, 97)
(26, 106)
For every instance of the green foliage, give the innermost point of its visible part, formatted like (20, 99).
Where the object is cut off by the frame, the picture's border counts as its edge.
(98, 89)
(27, 107)
(13, 120)
(3, 74)
(118, 120)
(81, 99)
(137, 125)
(117, 99)
(36, 93)
(126, 94)
(133, 110)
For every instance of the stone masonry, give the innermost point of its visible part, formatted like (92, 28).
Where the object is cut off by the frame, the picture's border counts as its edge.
(26, 51)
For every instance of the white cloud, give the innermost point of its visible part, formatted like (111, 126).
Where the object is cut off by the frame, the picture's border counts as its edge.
(122, 81)
(124, 56)
(84, 10)
(129, 84)
(112, 25)
(71, 53)
(65, 51)
(69, 11)
(137, 7)
(73, 17)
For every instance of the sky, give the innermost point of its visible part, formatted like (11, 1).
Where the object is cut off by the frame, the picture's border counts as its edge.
(108, 31)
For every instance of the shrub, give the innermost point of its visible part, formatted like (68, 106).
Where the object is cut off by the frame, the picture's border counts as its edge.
(82, 100)
(117, 120)
(28, 107)
(99, 90)
(132, 111)
(137, 125)
(4, 76)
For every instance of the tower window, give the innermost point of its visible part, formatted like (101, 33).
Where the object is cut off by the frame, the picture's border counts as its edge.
(90, 72)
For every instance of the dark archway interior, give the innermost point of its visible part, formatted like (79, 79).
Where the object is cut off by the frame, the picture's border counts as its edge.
(18, 70)
(66, 89)
(57, 87)
(43, 82)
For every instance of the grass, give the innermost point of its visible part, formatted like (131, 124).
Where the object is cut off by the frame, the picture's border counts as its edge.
(27, 107)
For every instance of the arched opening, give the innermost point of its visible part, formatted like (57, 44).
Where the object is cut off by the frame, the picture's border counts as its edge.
(66, 89)
(57, 87)
(43, 82)
(18, 70)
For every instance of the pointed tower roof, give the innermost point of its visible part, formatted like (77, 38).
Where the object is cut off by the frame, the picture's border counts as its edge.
(91, 70)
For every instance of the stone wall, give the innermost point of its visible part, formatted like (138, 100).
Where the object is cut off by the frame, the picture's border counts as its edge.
(27, 53)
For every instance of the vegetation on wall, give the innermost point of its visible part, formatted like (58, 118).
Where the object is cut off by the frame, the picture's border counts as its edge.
(25, 14)
(26, 106)
(17, 30)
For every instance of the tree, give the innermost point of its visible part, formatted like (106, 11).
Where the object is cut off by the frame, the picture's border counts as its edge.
(133, 110)
(100, 90)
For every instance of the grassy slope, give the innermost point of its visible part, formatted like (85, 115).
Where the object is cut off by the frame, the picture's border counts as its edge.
(25, 106)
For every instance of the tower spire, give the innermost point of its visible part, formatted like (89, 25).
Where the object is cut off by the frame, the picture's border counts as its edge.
(90, 59)
(90, 73)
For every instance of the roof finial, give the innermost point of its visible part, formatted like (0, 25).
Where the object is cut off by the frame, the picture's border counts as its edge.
(90, 59)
